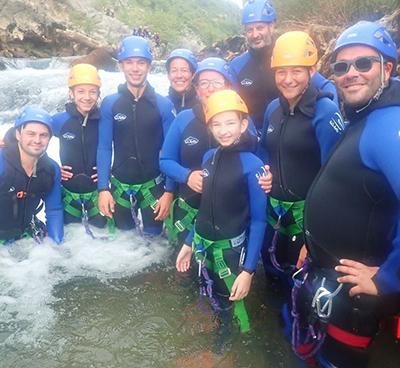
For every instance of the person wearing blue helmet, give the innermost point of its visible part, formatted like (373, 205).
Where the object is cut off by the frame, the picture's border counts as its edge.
(253, 77)
(352, 212)
(132, 126)
(28, 177)
(181, 66)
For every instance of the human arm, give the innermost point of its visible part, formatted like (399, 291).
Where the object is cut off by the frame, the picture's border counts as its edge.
(54, 208)
(184, 258)
(163, 206)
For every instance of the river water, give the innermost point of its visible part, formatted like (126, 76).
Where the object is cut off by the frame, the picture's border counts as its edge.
(98, 303)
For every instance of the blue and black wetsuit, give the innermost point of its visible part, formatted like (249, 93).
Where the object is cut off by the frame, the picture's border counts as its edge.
(187, 141)
(21, 196)
(184, 101)
(294, 143)
(134, 130)
(353, 212)
(232, 214)
(254, 81)
(78, 148)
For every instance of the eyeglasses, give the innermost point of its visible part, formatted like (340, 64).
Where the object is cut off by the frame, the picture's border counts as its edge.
(362, 64)
(217, 83)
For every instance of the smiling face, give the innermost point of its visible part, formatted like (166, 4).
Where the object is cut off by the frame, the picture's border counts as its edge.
(226, 127)
(180, 75)
(135, 70)
(204, 94)
(357, 88)
(292, 81)
(33, 139)
(85, 97)
(259, 34)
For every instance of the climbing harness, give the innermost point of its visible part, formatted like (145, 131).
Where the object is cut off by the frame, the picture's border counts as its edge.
(219, 267)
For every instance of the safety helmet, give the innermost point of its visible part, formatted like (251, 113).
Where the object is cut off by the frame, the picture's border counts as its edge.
(215, 64)
(34, 115)
(294, 49)
(185, 54)
(258, 11)
(368, 34)
(134, 46)
(226, 100)
(84, 74)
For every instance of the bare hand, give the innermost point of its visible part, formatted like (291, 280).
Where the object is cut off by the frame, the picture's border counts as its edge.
(266, 181)
(2, 144)
(195, 181)
(94, 176)
(241, 286)
(302, 256)
(106, 203)
(359, 274)
(163, 206)
(184, 258)
(65, 173)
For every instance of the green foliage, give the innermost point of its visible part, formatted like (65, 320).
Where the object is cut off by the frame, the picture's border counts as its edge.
(82, 21)
(340, 13)
(210, 20)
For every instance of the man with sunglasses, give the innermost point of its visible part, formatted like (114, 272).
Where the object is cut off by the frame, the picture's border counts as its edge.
(253, 78)
(351, 218)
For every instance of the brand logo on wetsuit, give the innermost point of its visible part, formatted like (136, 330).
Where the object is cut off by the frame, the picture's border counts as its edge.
(206, 173)
(246, 82)
(120, 117)
(270, 129)
(191, 141)
(12, 189)
(68, 136)
(337, 123)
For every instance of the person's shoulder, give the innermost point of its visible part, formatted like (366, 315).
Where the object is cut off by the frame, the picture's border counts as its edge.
(164, 103)
(240, 59)
(59, 119)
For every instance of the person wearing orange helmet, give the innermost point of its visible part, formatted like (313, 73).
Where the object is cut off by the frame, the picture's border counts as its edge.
(229, 228)
(77, 129)
(300, 128)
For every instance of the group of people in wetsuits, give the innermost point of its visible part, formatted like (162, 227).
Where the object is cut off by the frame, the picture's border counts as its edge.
(203, 159)
(145, 33)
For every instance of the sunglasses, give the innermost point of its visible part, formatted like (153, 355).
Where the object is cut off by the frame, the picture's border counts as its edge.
(362, 64)
(217, 83)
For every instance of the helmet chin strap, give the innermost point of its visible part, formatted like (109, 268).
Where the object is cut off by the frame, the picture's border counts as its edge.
(383, 85)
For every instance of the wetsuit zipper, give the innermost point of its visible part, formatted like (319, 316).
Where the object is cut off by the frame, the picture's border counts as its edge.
(281, 127)
(25, 203)
(135, 137)
(215, 160)
(85, 160)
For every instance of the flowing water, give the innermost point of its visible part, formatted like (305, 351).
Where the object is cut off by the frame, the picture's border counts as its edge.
(98, 303)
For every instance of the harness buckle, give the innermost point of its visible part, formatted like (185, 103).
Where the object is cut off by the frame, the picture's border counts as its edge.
(224, 273)
(179, 226)
(199, 261)
(133, 199)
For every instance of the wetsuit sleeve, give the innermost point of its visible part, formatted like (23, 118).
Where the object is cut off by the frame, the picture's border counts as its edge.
(189, 238)
(379, 150)
(328, 124)
(58, 122)
(252, 128)
(253, 169)
(320, 82)
(1, 162)
(170, 153)
(232, 69)
(54, 209)
(104, 148)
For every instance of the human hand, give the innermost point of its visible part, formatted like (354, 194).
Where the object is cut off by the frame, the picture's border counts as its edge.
(241, 286)
(184, 258)
(195, 181)
(65, 173)
(302, 256)
(106, 203)
(266, 181)
(163, 206)
(94, 176)
(359, 274)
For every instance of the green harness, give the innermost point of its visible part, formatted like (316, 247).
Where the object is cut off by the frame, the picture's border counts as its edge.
(281, 208)
(132, 189)
(186, 223)
(221, 268)
(80, 198)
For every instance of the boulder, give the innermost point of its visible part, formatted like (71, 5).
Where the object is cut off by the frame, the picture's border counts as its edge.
(101, 59)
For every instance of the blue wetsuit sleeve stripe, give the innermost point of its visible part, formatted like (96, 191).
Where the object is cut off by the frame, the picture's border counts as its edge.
(328, 124)
(104, 148)
(379, 150)
(1, 162)
(58, 122)
(54, 209)
(170, 153)
(252, 167)
(189, 238)
(262, 151)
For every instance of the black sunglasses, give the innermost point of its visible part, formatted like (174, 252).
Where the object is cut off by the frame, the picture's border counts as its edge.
(362, 64)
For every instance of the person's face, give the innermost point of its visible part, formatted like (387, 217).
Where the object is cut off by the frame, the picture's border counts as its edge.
(85, 97)
(357, 88)
(180, 75)
(210, 76)
(226, 127)
(135, 70)
(259, 34)
(33, 139)
(292, 81)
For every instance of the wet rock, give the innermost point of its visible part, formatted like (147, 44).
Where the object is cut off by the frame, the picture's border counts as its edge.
(101, 59)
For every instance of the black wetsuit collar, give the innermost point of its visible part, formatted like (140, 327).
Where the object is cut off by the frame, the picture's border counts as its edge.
(264, 53)
(148, 93)
(177, 98)
(247, 143)
(199, 113)
(71, 108)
